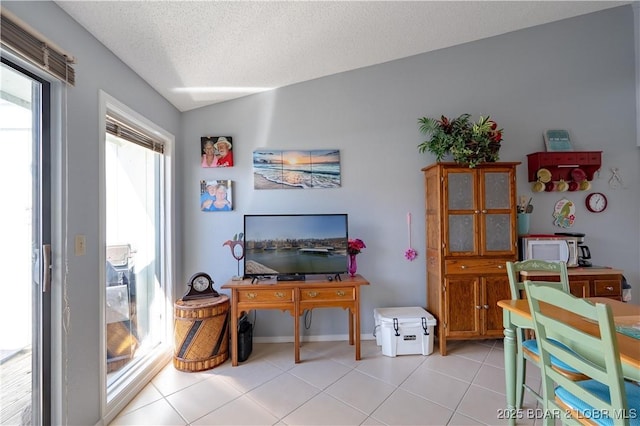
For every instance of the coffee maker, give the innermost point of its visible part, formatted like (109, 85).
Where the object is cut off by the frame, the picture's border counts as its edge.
(584, 254)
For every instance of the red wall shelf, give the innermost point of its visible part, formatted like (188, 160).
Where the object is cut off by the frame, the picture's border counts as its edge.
(560, 164)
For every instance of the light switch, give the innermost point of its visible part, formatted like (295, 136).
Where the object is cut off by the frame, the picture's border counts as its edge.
(81, 245)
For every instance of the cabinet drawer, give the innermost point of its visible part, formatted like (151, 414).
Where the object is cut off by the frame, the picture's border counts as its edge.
(266, 296)
(475, 266)
(309, 294)
(607, 288)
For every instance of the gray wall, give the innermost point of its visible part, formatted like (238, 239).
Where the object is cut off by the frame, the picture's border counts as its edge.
(76, 356)
(576, 74)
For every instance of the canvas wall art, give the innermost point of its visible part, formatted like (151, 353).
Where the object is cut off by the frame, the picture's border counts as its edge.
(216, 195)
(295, 169)
(216, 151)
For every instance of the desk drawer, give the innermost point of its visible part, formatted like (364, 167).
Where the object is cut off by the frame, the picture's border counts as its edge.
(607, 288)
(266, 296)
(309, 294)
(475, 266)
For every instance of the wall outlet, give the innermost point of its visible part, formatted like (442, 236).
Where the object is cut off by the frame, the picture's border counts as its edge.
(81, 245)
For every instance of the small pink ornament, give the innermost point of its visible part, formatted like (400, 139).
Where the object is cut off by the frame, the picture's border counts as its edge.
(410, 253)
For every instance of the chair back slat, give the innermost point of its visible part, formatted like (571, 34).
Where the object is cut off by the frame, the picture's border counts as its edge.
(534, 265)
(602, 362)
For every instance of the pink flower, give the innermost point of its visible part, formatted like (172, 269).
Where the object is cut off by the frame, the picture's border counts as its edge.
(355, 246)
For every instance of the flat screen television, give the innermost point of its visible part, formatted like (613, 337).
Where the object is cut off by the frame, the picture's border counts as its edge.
(291, 246)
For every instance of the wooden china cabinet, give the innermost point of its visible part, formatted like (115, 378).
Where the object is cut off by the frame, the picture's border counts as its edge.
(471, 234)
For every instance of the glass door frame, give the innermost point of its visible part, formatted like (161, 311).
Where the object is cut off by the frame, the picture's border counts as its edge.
(141, 374)
(41, 360)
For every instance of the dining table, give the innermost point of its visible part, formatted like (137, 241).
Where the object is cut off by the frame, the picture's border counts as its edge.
(516, 314)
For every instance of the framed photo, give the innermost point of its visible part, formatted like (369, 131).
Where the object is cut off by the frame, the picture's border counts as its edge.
(216, 151)
(557, 140)
(216, 195)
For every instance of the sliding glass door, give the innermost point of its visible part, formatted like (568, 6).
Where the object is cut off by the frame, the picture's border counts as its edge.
(137, 225)
(24, 247)
(134, 289)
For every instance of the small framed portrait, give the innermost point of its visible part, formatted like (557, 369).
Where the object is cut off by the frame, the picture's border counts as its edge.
(216, 151)
(216, 195)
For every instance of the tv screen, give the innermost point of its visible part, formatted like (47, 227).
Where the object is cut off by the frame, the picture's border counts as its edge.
(292, 246)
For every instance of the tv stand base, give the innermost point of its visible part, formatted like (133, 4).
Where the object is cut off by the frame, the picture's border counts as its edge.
(292, 277)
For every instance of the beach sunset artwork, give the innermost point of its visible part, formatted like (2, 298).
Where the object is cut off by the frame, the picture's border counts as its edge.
(293, 169)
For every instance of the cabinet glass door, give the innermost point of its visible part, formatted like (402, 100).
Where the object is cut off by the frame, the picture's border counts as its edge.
(461, 212)
(497, 211)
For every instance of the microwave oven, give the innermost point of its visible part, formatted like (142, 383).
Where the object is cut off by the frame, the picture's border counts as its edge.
(552, 248)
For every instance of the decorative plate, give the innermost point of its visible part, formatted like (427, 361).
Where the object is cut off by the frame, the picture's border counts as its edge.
(578, 175)
(564, 213)
(544, 175)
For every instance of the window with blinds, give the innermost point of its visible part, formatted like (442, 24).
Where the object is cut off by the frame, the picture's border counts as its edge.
(129, 132)
(19, 38)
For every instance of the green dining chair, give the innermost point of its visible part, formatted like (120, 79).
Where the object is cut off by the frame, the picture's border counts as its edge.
(606, 398)
(527, 348)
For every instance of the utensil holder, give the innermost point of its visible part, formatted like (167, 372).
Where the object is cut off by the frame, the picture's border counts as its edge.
(523, 223)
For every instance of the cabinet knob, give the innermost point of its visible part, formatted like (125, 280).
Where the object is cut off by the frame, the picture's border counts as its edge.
(463, 267)
(478, 307)
(279, 294)
(340, 293)
(252, 295)
(609, 288)
(486, 306)
(500, 266)
(477, 211)
(312, 293)
(484, 211)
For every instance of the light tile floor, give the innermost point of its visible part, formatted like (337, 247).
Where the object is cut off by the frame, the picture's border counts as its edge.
(330, 388)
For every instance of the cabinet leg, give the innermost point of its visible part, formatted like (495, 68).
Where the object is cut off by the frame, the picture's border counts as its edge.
(442, 342)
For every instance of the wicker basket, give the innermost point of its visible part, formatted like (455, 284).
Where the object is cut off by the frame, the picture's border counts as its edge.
(201, 332)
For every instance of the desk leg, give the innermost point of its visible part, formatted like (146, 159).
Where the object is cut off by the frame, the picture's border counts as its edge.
(357, 333)
(296, 328)
(356, 315)
(510, 367)
(234, 328)
(351, 313)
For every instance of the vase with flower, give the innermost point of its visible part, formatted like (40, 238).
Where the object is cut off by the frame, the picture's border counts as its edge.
(355, 246)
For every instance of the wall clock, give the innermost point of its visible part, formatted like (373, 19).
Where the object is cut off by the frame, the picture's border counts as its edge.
(596, 202)
(200, 287)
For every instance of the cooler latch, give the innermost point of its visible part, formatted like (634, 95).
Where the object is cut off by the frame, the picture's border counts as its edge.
(424, 326)
(395, 326)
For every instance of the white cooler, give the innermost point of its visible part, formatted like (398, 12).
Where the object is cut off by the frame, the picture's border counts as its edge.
(404, 331)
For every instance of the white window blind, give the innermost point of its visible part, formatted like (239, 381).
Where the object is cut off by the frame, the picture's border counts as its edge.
(19, 38)
(131, 133)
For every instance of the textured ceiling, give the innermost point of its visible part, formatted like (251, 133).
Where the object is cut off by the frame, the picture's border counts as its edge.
(200, 53)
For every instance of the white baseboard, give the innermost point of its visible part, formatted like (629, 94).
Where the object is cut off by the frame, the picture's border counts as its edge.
(318, 338)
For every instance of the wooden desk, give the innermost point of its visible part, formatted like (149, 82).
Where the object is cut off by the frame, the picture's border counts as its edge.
(516, 314)
(296, 297)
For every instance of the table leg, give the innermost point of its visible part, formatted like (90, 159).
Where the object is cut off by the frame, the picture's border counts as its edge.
(350, 313)
(510, 368)
(234, 328)
(357, 332)
(296, 328)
